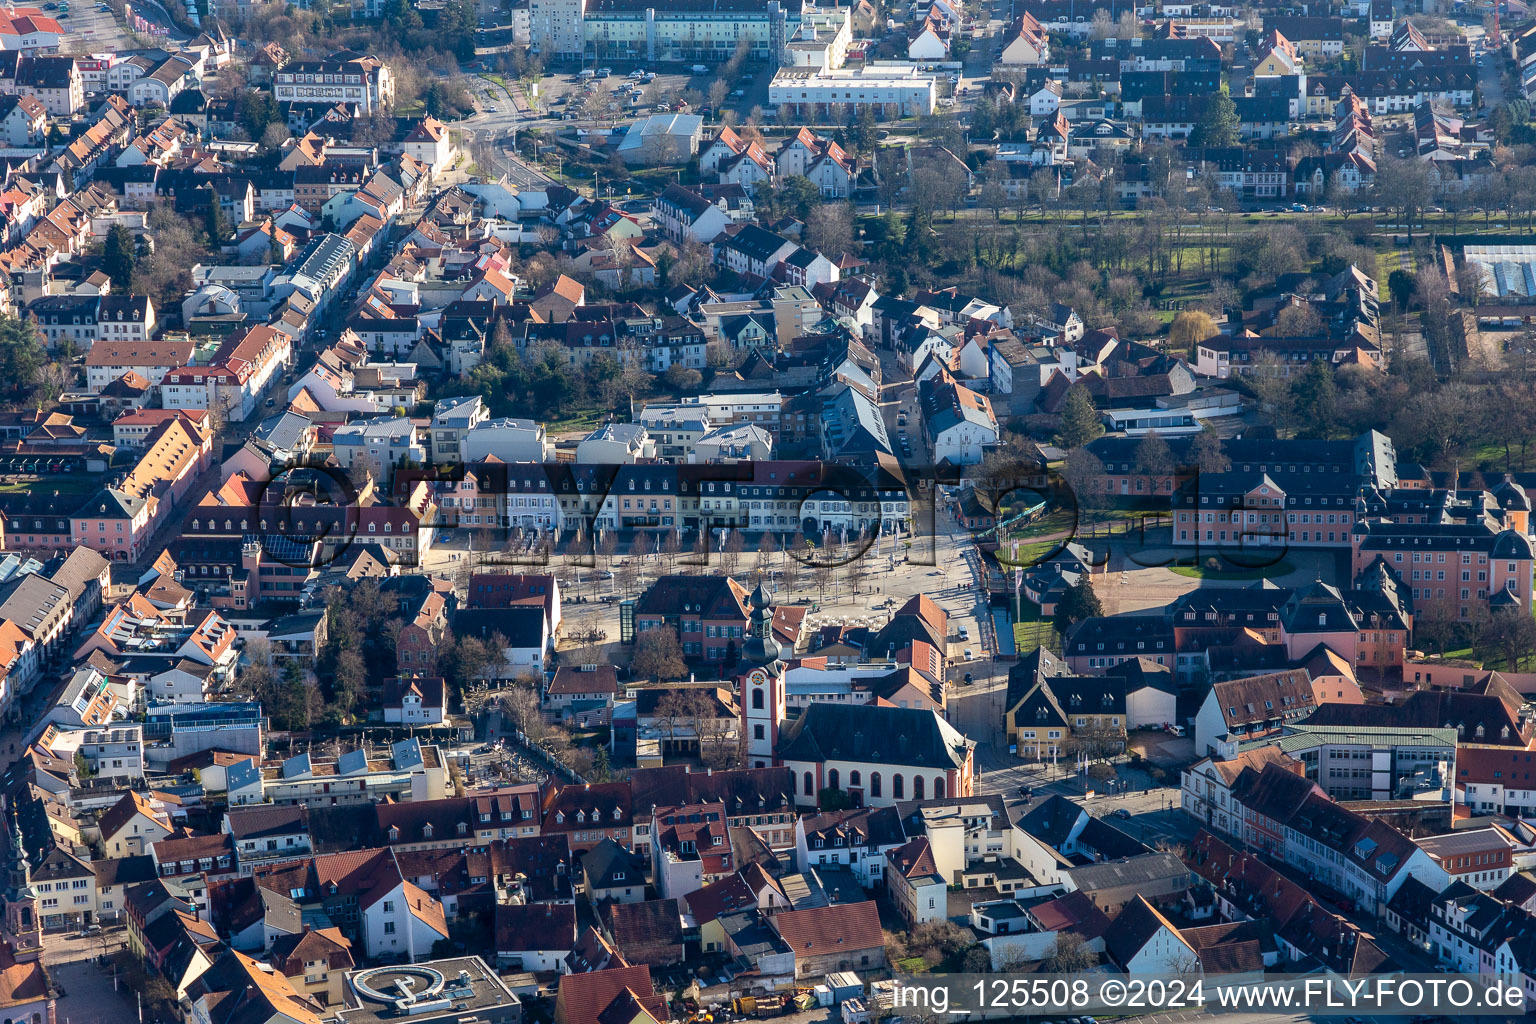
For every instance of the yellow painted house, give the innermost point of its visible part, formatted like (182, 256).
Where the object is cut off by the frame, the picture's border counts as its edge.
(1280, 57)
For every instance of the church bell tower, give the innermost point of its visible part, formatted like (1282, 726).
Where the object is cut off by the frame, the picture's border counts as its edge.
(762, 684)
(23, 928)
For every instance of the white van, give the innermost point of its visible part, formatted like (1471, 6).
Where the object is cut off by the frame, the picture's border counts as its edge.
(587, 75)
(701, 69)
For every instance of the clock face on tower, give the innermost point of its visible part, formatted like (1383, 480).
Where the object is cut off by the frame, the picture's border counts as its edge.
(758, 676)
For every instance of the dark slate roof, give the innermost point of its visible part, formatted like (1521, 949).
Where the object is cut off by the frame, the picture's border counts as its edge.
(1431, 709)
(1122, 636)
(522, 625)
(873, 735)
(756, 243)
(1051, 820)
(1143, 673)
(601, 862)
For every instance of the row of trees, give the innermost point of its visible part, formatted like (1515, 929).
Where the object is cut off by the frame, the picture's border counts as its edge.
(1506, 637)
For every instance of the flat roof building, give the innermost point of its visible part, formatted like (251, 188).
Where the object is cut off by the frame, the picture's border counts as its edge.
(458, 989)
(891, 91)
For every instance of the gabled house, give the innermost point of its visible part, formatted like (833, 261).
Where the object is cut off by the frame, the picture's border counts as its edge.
(132, 825)
(914, 884)
(820, 160)
(1143, 941)
(613, 874)
(648, 931)
(534, 936)
(1025, 43)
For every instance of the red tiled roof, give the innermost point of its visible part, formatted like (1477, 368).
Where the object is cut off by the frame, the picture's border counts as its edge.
(583, 997)
(819, 930)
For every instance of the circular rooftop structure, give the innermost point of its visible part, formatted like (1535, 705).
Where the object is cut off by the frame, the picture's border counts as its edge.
(392, 984)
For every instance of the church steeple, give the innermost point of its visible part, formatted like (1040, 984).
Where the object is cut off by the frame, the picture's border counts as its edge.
(20, 868)
(763, 705)
(761, 647)
(23, 927)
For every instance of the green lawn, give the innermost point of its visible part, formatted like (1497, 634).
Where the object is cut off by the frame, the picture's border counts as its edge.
(72, 483)
(1027, 555)
(585, 419)
(1232, 572)
(1032, 630)
(1058, 524)
(1054, 521)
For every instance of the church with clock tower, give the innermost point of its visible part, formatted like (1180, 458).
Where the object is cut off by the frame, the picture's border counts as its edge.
(762, 701)
(875, 754)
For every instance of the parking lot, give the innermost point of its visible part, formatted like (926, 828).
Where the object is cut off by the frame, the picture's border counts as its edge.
(88, 28)
(564, 90)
